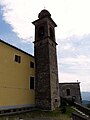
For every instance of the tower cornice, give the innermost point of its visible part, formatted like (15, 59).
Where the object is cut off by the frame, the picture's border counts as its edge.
(36, 21)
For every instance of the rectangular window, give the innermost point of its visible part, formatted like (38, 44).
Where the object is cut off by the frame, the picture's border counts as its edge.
(56, 100)
(17, 58)
(31, 82)
(32, 64)
(68, 92)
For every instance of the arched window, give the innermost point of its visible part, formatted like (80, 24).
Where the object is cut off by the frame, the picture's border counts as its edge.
(41, 31)
(51, 33)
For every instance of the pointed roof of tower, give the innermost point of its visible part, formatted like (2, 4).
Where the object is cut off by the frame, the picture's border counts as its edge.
(44, 13)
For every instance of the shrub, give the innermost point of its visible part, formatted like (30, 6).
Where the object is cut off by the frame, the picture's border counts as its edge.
(63, 102)
(63, 109)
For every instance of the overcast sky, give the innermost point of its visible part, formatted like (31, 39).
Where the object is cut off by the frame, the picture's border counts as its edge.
(72, 33)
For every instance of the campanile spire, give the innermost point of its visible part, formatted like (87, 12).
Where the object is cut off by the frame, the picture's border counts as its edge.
(46, 71)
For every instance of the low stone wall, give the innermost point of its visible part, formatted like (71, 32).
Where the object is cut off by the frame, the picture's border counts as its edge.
(82, 112)
(78, 116)
(82, 108)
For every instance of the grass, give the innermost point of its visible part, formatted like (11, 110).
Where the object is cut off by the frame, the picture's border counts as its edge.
(57, 114)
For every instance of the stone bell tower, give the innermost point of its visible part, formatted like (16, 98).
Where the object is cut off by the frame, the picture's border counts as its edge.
(46, 71)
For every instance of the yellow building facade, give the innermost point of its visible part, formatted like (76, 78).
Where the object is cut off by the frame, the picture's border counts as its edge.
(17, 73)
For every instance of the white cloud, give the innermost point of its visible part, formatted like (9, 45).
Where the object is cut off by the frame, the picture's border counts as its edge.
(68, 46)
(79, 60)
(72, 16)
(67, 77)
(19, 14)
(79, 65)
(70, 77)
(75, 68)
